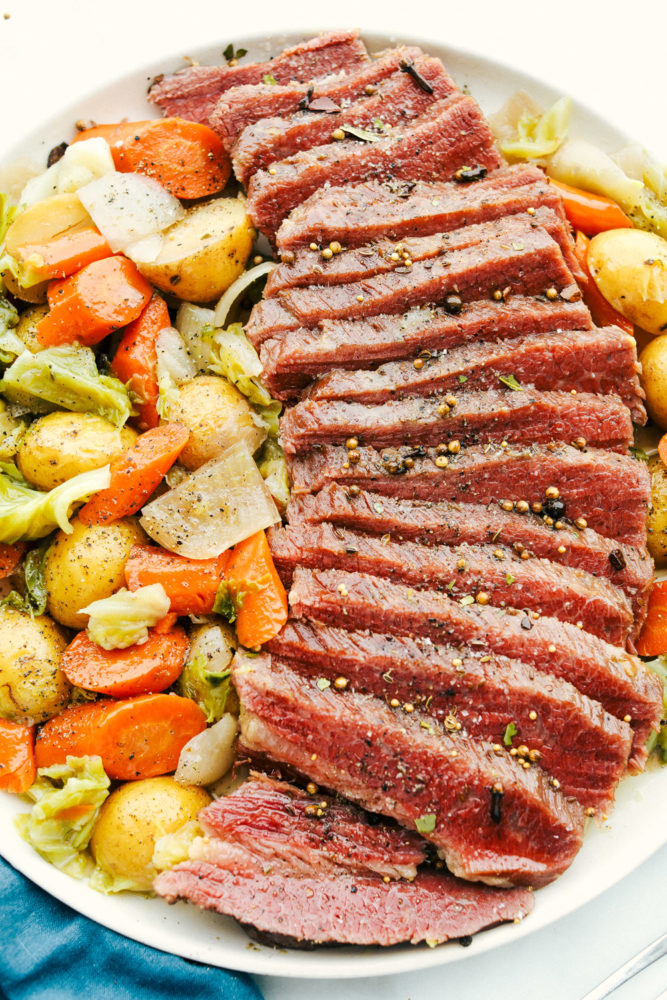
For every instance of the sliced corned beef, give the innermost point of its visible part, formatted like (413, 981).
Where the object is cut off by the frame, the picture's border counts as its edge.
(396, 102)
(451, 134)
(385, 256)
(483, 416)
(194, 92)
(482, 694)
(362, 213)
(606, 673)
(513, 259)
(294, 357)
(272, 826)
(241, 107)
(610, 491)
(434, 908)
(602, 360)
(491, 819)
(463, 571)
(433, 523)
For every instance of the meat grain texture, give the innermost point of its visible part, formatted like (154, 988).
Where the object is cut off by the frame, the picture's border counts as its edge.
(466, 539)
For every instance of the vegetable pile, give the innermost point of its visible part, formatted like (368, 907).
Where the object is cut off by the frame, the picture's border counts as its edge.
(139, 467)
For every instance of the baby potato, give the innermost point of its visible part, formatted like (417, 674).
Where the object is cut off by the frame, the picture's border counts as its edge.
(654, 379)
(86, 566)
(630, 269)
(26, 328)
(200, 256)
(32, 686)
(131, 820)
(657, 518)
(217, 415)
(61, 445)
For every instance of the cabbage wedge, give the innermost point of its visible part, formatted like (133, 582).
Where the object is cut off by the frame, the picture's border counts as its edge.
(27, 514)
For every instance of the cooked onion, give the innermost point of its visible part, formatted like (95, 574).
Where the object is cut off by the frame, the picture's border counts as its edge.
(237, 288)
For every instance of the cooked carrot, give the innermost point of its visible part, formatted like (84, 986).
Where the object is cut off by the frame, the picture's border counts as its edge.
(190, 584)
(17, 756)
(165, 624)
(10, 556)
(135, 361)
(590, 213)
(652, 639)
(136, 474)
(136, 738)
(65, 253)
(98, 299)
(187, 158)
(125, 673)
(603, 312)
(262, 612)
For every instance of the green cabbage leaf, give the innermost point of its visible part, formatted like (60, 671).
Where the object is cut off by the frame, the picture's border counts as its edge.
(123, 619)
(67, 800)
(236, 359)
(27, 514)
(65, 378)
(658, 741)
(538, 135)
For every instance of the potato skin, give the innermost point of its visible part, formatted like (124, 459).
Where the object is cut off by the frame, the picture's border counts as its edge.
(630, 269)
(217, 415)
(657, 518)
(32, 686)
(26, 328)
(61, 445)
(203, 253)
(87, 566)
(133, 817)
(654, 379)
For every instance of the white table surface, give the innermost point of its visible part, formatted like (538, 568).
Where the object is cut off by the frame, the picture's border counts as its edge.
(612, 56)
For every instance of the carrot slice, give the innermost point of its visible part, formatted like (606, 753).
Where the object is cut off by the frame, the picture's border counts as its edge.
(91, 304)
(125, 673)
(261, 613)
(136, 738)
(17, 757)
(135, 361)
(590, 213)
(190, 584)
(603, 312)
(136, 474)
(187, 158)
(10, 556)
(65, 253)
(652, 639)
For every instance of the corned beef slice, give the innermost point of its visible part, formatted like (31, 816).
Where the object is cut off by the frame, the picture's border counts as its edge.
(605, 673)
(346, 909)
(418, 774)
(444, 523)
(359, 264)
(481, 416)
(397, 102)
(193, 93)
(600, 361)
(362, 213)
(611, 491)
(530, 265)
(568, 594)
(576, 741)
(241, 107)
(451, 134)
(300, 354)
(267, 825)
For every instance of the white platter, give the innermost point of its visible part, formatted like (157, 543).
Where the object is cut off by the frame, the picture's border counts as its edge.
(636, 828)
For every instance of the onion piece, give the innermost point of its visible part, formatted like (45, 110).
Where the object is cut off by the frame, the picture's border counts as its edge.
(220, 504)
(129, 207)
(190, 321)
(208, 755)
(237, 288)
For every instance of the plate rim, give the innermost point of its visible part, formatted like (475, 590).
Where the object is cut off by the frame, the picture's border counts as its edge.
(328, 962)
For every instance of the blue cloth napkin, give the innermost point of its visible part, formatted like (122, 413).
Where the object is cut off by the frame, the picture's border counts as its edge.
(50, 952)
